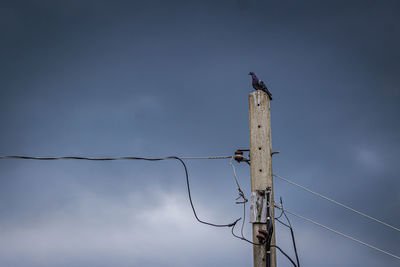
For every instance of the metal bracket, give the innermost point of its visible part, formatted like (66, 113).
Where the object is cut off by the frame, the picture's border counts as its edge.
(275, 152)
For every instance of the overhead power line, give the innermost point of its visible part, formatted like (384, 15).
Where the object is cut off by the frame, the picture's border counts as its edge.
(339, 233)
(140, 158)
(337, 203)
(107, 158)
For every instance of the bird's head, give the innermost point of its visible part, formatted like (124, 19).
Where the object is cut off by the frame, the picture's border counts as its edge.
(251, 73)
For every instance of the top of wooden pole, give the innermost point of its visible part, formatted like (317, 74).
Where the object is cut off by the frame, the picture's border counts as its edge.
(261, 164)
(260, 140)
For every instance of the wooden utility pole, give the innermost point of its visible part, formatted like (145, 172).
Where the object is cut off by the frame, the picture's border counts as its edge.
(261, 171)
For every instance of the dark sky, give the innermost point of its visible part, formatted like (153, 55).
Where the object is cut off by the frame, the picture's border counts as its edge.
(160, 78)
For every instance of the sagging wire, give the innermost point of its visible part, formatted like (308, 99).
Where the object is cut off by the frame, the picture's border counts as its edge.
(103, 158)
(140, 158)
(191, 202)
(180, 159)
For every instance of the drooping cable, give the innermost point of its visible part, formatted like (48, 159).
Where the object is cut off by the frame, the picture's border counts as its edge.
(286, 255)
(191, 202)
(105, 158)
(138, 158)
(339, 233)
(336, 202)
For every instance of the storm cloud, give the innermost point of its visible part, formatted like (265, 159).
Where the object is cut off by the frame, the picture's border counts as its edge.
(161, 78)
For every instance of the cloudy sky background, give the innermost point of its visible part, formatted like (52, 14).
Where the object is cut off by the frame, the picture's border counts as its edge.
(160, 78)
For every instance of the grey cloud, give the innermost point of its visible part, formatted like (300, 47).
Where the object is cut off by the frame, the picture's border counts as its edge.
(159, 78)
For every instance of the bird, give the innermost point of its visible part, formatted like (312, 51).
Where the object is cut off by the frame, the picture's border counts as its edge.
(259, 85)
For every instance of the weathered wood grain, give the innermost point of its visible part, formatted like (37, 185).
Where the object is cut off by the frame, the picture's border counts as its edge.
(261, 163)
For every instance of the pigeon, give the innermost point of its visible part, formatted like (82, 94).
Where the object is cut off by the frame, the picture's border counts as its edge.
(259, 85)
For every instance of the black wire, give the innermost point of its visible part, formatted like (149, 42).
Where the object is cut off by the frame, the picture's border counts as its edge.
(191, 202)
(260, 244)
(293, 241)
(282, 223)
(287, 256)
(291, 232)
(270, 229)
(270, 232)
(243, 237)
(133, 158)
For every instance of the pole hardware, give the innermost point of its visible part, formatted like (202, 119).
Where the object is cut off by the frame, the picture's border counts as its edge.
(239, 156)
(275, 152)
(258, 207)
(262, 236)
